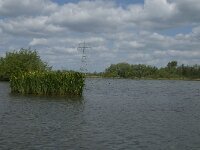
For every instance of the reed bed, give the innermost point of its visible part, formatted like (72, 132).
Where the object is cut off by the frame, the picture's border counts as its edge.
(47, 83)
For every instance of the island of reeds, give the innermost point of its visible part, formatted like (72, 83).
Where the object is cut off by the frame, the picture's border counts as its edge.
(48, 83)
(28, 74)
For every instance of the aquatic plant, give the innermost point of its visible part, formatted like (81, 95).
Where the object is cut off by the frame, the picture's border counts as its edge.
(47, 83)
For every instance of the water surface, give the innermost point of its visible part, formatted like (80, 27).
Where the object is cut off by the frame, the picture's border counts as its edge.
(112, 114)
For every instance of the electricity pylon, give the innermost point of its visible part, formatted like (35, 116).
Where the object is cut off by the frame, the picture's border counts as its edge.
(83, 47)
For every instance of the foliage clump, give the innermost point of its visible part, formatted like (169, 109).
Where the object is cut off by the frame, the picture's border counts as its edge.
(47, 83)
(24, 60)
(171, 71)
(125, 70)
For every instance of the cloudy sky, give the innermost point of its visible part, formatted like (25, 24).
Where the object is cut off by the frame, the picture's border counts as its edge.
(151, 32)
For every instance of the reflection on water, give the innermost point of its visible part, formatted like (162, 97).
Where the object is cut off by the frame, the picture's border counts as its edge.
(67, 99)
(112, 114)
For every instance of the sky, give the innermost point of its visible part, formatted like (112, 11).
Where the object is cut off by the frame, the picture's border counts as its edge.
(151, 32)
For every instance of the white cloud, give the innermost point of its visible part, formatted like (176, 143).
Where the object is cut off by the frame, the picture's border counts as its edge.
(89, 16)
(160, 9)
(135, 33)
(29, 26)
(13, 8)
(38, 41)
(188, 10)
(184, 54)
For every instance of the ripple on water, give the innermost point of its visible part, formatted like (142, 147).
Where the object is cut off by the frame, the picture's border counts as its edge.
(112, 114)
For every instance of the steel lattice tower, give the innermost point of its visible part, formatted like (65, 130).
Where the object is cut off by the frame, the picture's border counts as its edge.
(83, 47)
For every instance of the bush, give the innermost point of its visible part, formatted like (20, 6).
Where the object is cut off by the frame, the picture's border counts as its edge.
(24, 60)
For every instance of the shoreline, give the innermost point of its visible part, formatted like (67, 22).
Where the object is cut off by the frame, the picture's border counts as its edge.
(177, 79)
(100, 77)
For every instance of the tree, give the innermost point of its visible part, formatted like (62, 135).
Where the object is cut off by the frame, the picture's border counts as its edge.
(121, 70)
(171, 71)
(21, 61)
(125, 70)
(172, 64)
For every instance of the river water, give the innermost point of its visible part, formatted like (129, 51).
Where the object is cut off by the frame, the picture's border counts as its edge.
(112, 114)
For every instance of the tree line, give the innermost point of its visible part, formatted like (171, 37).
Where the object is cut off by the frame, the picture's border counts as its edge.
(170, 71)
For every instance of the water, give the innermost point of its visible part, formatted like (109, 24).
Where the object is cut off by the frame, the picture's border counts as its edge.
(112, 114)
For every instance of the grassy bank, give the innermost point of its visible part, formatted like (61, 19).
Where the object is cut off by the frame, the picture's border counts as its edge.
(47, 83)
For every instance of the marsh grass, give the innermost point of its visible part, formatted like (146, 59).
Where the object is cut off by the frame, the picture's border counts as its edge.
(47, 83)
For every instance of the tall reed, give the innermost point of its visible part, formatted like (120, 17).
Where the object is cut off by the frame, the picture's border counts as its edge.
(47, 83)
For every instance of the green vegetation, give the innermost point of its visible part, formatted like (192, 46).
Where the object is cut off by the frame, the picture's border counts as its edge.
(171, 71)
(28, 74)
(24, 60)
(47, 83)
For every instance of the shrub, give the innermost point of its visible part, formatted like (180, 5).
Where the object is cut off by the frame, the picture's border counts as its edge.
(21, 61)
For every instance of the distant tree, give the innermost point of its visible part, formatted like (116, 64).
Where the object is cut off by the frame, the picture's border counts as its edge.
(122, 70)
(125, 70)
(171, 71)
(19, 61)
(172, 64)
